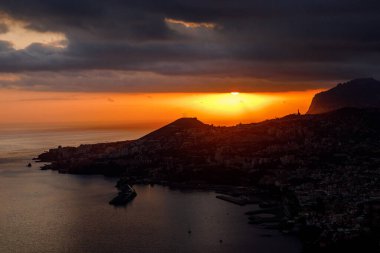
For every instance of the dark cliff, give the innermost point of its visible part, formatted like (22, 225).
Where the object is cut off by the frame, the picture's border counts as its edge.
(358, 93)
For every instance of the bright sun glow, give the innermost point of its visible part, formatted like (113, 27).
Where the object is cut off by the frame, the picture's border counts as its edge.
(237, 104)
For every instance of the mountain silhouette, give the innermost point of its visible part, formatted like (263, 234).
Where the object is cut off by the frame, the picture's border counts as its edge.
(174, 128)
(357, 93)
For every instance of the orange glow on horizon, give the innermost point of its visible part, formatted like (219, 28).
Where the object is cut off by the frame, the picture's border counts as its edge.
(146, 110)
(227, 105)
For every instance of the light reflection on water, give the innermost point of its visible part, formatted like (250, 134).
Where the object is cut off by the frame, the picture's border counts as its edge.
(26, 144)
(43, 211)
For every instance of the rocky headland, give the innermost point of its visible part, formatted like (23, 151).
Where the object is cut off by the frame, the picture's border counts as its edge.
(357, 93)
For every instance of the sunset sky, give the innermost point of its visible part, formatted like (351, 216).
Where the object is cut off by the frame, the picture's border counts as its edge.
(145, 110)
(149, 62)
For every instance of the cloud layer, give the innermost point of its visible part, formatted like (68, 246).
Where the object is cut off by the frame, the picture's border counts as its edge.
(190, 44)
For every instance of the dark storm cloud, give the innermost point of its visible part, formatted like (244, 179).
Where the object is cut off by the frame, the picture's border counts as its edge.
(273, 40)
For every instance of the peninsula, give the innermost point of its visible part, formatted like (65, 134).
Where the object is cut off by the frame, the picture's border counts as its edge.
(322, 169)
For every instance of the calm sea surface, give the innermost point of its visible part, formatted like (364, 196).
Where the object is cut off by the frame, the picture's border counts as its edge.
(43, 211)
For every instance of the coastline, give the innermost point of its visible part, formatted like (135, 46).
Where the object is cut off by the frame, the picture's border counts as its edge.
(45, 203)
(272, 202)
(299, 160)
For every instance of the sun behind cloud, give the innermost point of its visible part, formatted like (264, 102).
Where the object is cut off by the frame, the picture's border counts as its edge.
(190, 24)
(21, 37)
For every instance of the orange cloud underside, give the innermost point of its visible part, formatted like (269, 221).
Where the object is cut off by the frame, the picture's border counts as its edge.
(190, 24)
(140, 110)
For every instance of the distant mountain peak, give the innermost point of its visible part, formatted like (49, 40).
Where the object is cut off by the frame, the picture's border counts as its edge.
(358, 81)
(186, 122)
(171, 129)
(357, 93)
(362, 79)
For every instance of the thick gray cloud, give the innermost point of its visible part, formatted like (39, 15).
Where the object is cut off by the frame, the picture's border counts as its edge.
(280, 41)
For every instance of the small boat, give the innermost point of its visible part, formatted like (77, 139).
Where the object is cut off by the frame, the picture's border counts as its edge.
(124, 196)
(29, 165)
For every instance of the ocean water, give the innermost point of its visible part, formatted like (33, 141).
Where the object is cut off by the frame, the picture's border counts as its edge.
(43, 211)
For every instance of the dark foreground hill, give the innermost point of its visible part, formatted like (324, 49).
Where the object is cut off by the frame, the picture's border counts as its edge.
(329, 162)
(358, 93)
(187, 149)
